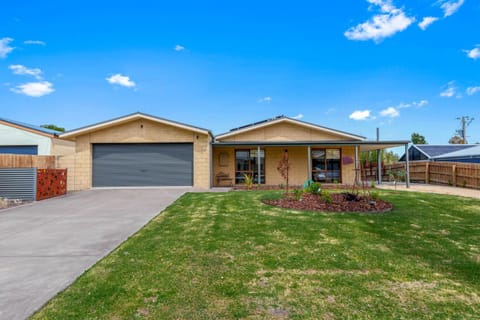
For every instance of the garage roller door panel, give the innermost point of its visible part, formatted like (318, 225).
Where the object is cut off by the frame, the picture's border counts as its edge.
(116, 165)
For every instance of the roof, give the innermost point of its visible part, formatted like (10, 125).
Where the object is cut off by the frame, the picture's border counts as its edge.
(432, 151)
(282, 118)
(363, 145)
(471, 151)
(30, 127)
(129, 117)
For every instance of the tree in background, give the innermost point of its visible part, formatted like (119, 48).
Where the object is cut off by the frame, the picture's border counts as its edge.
(53, 127)
(388, 157)
(456, 140)
(417, 138)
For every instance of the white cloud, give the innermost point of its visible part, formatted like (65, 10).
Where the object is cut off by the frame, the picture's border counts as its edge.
(330, 111)
(390, 112)
(474, 53)
(426, 22)
(472, 90)
(360, 115)
(404, 106)
(420, 103)
(390, 21)
(450, 91)
(34, 89)
(179, 48)
(37, 42)
(22, 70)
(449, 7)
(265, 99)
(5, 48)
(121, 80)
(298, 116)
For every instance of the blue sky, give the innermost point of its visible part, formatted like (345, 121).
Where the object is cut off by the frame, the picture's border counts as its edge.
(402, 65)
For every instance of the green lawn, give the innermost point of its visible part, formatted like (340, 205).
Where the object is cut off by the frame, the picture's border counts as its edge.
(228, 256)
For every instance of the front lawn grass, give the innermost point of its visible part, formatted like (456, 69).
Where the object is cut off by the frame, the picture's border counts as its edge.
(229, 256)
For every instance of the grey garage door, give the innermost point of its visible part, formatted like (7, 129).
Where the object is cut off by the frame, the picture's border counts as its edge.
(142, 164)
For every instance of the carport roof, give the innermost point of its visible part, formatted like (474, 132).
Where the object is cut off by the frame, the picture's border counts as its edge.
(129, 117)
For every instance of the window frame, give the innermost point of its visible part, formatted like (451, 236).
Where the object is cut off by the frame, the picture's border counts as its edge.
(239, 179)
(326, 171)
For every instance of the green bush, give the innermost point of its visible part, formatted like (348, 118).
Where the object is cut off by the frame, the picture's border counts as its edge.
(374, 195)
(297, 194)
(314, 188)
(327, 197)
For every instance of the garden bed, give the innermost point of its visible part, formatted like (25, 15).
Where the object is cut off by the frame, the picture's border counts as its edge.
(339, 203)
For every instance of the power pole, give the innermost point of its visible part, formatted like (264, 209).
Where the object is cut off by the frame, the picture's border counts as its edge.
(465, 122)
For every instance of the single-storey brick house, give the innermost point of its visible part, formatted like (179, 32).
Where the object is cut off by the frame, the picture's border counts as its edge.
(144, 150)
(22, 138)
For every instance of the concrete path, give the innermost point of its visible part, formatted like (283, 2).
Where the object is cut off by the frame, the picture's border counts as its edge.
(45, 246)
(429, 188)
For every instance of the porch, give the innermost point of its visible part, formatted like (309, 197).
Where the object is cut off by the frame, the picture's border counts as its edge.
(325, 162)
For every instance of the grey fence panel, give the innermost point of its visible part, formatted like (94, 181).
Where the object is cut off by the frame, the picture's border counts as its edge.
(18, 183)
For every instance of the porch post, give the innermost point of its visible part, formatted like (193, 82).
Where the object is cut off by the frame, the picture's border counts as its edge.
(356, 164)
(309, 164)
(379, 160)
(259, 166)
(407, 160)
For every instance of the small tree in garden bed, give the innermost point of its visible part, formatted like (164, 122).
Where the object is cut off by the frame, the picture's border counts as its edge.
(283, 168)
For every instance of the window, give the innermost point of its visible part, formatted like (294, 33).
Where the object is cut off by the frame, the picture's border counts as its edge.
(326, 165)
(246, 163)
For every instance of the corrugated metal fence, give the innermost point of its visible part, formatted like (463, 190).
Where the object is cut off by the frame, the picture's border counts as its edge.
(18, 183)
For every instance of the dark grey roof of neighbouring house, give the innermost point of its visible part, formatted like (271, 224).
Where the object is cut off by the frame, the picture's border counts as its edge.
(431, 150)
(473, 151)
(31, 126)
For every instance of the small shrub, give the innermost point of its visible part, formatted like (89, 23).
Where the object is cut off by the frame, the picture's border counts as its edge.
(450, 183)
(248, 181)
(374, 195)
(464, 183)
(327, 197)
(349, 196)
(372, 184)
(297, 194)
(314, 188)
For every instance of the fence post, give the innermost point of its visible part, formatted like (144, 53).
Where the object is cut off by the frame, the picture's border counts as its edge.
(454, 175)
(427, 172)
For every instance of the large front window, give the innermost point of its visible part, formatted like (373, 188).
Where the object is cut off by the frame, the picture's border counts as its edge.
(326, 165)
(246, 163)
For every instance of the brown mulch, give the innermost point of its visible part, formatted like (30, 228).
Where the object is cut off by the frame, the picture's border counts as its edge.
(339, 204)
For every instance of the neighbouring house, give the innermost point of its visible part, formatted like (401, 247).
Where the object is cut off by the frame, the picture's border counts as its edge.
(22, 138)
(468, 155)
(145, 150)
(444, 152)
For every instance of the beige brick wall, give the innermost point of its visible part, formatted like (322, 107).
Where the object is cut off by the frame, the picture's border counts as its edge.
(348, 170)
(140, 131)
(284, 132)
(298, 158)
(62, 147)
(228, 154)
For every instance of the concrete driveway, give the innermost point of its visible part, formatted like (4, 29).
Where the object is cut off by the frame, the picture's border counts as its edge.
(45, 246)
